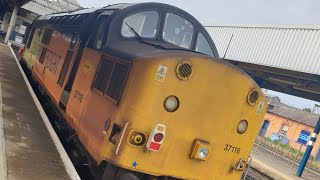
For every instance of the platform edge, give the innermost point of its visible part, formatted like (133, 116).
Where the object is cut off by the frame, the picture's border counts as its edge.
(3, 153)
(63, 154)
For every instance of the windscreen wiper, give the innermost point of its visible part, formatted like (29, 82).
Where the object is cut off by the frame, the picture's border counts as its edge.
(156, 45)
(140, 38)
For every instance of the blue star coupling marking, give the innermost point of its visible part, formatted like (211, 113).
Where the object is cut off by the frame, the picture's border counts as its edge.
(134, 164)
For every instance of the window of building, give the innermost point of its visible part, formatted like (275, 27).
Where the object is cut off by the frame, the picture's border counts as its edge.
(203, 45)
(110, 78)
(144, 23)
(284, 129)
(178, 31)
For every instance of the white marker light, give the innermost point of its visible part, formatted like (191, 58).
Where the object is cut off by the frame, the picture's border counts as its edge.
(171, 103)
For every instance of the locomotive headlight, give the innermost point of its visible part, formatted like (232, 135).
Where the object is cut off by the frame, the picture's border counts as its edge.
(171, 103)
(242, 126)
(203, 152)
(200, 150)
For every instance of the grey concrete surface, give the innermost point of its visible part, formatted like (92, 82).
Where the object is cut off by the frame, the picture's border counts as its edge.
(29, 149)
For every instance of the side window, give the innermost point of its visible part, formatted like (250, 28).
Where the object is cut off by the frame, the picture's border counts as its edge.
(97, 43)
(177, 30)
(203, 45)
(110, 78)
(144, 23)
(47, 36)
(65, 68)
(43, 54)
(31, 37)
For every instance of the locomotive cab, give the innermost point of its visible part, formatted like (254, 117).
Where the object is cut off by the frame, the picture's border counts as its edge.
(145, 92)
(151, 24)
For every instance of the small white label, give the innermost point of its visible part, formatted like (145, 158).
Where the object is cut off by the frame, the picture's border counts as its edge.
(161, 73)
(260, 107)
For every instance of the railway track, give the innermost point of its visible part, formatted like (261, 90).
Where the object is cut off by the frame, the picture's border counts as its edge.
(254, 174)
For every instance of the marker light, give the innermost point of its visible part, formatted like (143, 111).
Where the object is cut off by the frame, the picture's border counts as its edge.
(171, 103)
(242, 126)
(200, 150)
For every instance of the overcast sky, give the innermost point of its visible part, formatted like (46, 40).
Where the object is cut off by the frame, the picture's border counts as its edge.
(211, 12)
(239, 11)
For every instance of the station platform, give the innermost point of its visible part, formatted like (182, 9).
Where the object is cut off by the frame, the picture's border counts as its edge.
(29, 147)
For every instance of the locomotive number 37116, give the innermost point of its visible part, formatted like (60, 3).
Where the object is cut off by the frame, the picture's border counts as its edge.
(231, 148)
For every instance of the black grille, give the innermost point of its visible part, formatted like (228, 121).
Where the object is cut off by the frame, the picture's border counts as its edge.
(103, 75)
(43, 54)
(117, 81)
(185, 70)
(65, 67)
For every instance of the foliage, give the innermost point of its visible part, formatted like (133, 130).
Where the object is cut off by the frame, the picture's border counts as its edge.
(307, 109)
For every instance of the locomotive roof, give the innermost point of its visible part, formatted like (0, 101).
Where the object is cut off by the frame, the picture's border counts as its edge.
(70, 21)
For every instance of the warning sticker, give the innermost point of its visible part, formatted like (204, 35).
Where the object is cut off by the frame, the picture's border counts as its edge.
(161, 73)
(260, 108)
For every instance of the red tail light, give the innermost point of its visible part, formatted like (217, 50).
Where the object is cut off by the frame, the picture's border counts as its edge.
(158, 137)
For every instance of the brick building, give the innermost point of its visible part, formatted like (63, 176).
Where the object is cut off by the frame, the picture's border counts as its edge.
(289, 122)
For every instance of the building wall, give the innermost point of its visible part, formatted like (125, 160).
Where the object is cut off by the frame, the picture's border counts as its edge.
(275, 124)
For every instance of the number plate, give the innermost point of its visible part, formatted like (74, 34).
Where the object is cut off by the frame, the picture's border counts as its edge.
(231, 148)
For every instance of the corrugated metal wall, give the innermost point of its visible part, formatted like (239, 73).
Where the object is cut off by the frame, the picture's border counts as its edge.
(292, 48)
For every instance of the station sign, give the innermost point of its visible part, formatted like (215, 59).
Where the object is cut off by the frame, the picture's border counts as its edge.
(303, 137)
(274, 136)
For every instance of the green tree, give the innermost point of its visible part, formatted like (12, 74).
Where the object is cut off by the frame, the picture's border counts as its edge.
(307, 109)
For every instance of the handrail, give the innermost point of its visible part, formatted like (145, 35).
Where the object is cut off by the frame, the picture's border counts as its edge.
(121, 137)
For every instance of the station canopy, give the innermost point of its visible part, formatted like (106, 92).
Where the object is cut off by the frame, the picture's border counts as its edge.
(42, 7)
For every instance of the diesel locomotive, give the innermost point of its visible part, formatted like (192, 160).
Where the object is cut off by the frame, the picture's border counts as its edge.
(145, 93)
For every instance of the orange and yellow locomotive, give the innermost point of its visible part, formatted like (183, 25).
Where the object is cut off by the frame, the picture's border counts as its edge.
(144, 90)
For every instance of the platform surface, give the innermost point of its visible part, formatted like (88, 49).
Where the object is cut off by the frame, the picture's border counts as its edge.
(27, 148)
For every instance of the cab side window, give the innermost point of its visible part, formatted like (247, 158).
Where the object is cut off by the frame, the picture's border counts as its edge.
(97, 43)
(178, 31)
(203, 45)
(144, 23)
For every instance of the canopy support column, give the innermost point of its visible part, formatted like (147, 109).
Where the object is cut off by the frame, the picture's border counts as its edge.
(12, 22)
